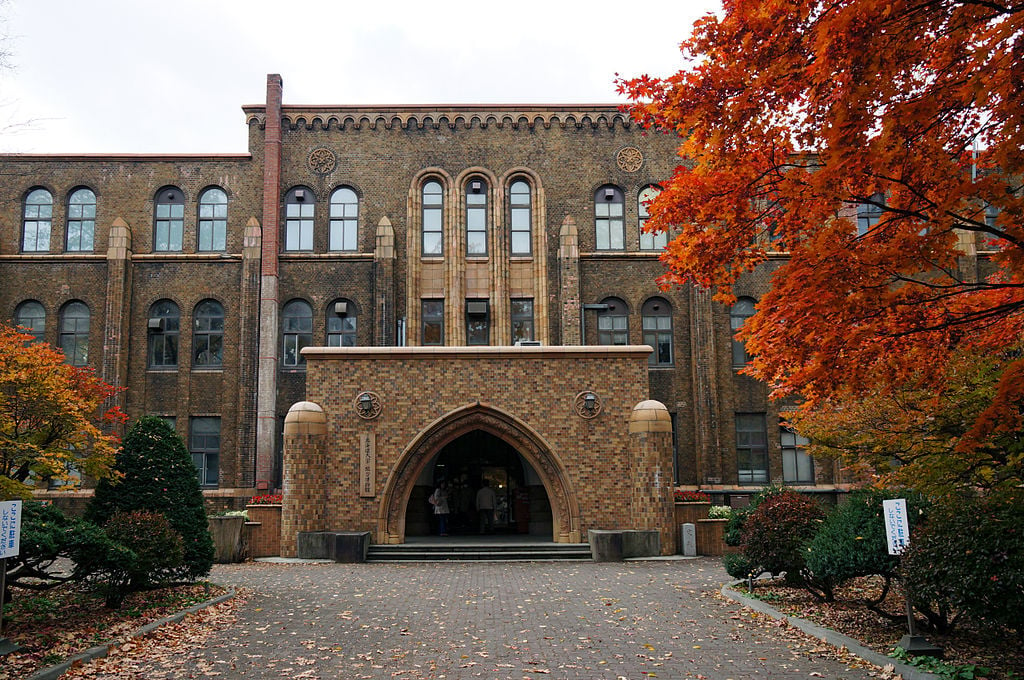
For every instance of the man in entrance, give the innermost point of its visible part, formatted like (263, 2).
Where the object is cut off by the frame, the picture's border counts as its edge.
(486, 499)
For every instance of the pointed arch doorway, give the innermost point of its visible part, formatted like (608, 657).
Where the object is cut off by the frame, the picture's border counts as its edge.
(468, 445)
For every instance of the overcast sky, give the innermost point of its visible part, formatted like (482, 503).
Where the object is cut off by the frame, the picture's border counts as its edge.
(137, 76)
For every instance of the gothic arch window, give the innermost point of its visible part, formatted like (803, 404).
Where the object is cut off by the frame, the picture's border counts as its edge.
(213, 220)
(208, 335)
(344, 229)
(31, 316)
(74, 333)
(649, 241)
(81, 220)
(476, 217)
(521, 217)
(341, 323)
(609, 218)
(613, 323)
(738, 315)
(657, 327)
(164, 325)
(296, 333)
(169, 220)
(38, 218)
(432, 194)
(299, 208)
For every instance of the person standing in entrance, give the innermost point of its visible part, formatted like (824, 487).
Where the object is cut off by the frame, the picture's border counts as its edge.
(486, 499)
(439, 499)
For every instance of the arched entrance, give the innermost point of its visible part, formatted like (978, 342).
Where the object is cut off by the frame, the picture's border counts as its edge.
(447, 441)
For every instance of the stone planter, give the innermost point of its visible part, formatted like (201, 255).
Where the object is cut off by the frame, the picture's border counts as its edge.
(710, 536)
(689, 513)
(226, 532)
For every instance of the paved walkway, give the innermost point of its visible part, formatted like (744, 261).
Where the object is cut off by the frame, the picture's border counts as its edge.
(498, 620)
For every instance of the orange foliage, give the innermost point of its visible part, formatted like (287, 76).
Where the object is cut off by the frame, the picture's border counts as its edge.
(793, 112)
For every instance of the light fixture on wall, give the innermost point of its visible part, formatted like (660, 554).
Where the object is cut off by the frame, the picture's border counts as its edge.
(368, 405)
(587, 404)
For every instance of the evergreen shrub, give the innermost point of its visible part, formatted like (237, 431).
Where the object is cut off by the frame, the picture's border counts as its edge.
(145, 552)
(775, 535)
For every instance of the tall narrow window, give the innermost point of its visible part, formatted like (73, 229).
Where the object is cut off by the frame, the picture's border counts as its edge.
(344, 219)
(208, 335)
(164, 325)
(213, 220)
(868, 213)
(433, 218)
(38, 215)
(521, 217)
(341, 324)
(74, 333)
(31, 316)
(522, 319)
(478, 322)
(751, 448)
(738, 315)
(476, 217)
(204, 445)
(992, 215)
(296, 332)
(81, 220)
(613, 323)
(298, 220)
(649, 241)
(609, 221)
(432, 318)
(169, 220)
(657, 322)
(797, 466)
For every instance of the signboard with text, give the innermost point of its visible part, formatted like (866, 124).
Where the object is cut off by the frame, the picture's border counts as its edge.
(897, 530)
(10, 528)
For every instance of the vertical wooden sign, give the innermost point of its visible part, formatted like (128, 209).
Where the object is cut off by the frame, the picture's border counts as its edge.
(367, 465)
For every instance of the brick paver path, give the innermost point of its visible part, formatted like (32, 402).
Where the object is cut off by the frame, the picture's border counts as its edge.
(636, 619)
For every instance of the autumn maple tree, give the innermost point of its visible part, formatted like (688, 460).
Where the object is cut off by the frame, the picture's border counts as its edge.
(54, 417)
(876, 143)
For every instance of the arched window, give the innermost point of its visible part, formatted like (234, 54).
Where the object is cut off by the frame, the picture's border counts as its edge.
(738, 315)
(613, 323)
(36, 225)
(609, 222)
(213, 220)
(164, 325)
(521, 217)
(476, 217)
(341, 324)
(74, 333)
(31, 316)
(344, 219)
(298, 219)
(81, 220)
(433, 218)
(169, 220)
(296, 333)
(869, 212)
(649, 241)
(657, 322)
(208, 335)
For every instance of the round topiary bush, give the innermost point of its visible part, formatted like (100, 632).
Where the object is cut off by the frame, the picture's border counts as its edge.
(776, 533)
(146, 552)
(157, 474)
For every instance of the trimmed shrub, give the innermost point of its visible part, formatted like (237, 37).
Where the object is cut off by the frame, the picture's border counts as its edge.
(737, 566)
(968, 561)
(47, 535)
(776, 533)
(851, 541)
(157, 474)
(145, 552)
(738, 517)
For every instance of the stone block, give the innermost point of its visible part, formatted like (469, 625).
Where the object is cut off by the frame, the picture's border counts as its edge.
(605, 545)
(688, 539)
(641, 542)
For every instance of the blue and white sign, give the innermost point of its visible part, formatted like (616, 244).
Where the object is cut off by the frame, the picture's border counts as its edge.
(10, 528)
(897, 530)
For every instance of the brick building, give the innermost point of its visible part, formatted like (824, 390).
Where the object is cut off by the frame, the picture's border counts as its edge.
(195, 282)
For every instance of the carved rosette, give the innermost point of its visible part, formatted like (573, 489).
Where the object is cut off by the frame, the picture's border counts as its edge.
(367, 405)
(629, 159)
(322, 161)
(587, 404)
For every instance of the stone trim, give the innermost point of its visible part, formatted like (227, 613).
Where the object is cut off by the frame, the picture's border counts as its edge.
(473, 353)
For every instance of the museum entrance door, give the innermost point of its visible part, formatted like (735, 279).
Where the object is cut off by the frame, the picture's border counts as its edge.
(522, 509)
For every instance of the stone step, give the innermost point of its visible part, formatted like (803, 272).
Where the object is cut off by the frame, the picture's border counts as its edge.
(421, 552)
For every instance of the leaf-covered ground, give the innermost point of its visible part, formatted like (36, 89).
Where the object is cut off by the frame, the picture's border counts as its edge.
(992, 647)
(55, 625)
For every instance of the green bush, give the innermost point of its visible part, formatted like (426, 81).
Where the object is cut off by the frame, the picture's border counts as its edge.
(738, 516)
(968, 561)
(157, 474)
(719, 512)
(47, 535)
(776, 533)
(851, 541)
(145, 552)
(737, 566)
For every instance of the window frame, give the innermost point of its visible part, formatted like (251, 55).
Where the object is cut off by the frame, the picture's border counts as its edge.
(346, 337)
(869, 213)
(169, 216)
(38, 214)
(214, 224)
(168, 334)
(610, 326)
(661, 332)
(435, 211)
(77, 338)
(295, 328)
(207, 332)
(478, 326)
(299, 220)
(37, 332)
(751, 452)
(81, 219)
(204, 446)
(794, 445)
(516, 217)
(343, 217)
(522, 319)
(476, 216)
(740, 356)
(431, 321)
(648, 242)
(607, 223)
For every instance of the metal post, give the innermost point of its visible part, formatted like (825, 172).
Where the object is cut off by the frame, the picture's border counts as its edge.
(6, 646)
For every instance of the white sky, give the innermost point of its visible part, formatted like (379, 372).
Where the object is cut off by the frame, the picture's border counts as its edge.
(138, 76)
